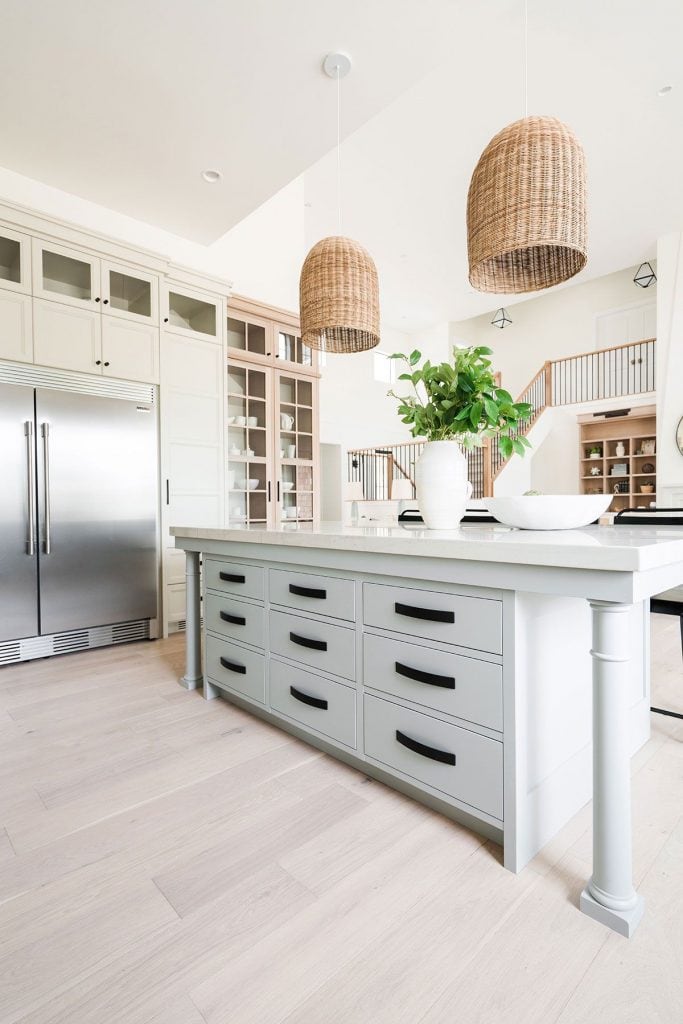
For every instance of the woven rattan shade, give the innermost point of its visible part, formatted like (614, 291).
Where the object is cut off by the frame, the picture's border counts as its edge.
(526, 208)
(339, 297)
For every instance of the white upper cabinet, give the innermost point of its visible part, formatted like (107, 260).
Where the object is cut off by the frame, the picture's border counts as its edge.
(192, 313)
(15, 261)
(129, 293)
(66, 275)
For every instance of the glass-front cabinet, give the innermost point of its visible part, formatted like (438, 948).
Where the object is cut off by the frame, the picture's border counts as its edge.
(65, 275)
(129, 293)
(290, 348)
(267, 341)
(249, 336)
(190, 313)
(296, 465)
(15, 261)
(271, 446)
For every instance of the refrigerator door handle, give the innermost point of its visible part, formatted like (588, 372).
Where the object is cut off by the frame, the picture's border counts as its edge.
(31, 475)
(45, 431)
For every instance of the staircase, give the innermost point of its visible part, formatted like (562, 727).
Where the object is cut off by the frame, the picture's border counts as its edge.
(607, 373)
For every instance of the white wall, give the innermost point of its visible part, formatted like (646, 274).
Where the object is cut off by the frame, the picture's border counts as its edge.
(262, 255)
(561, 323)
(354, 408)
(669, 368)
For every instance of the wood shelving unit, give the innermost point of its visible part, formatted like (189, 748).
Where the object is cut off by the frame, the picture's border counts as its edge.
(635, 431)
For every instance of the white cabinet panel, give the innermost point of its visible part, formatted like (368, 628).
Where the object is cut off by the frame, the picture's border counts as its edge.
(66, 336)
(16, 336)
(193, 367)
(195, 418)
(188, 464)
(175, 602)
(130, 350)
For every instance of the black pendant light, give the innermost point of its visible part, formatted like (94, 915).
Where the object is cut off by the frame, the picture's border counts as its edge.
(501, 318)
(645, 276)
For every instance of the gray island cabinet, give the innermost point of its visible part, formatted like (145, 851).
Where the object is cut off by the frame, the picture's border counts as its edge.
(499, 676)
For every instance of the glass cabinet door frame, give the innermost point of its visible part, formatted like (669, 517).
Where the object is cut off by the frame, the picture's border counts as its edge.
(266, 431)
(109, 266)
(24, 241)
(296, 464)
(246, 354)
(94, 302)
(290, 364)
(210, 298)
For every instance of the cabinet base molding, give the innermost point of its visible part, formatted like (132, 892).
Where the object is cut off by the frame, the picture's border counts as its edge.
(624, 922)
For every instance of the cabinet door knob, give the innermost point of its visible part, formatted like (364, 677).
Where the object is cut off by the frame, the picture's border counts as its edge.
(106, 364)
(97, 299)
(105, 302)
(165, 319)
(98, 362)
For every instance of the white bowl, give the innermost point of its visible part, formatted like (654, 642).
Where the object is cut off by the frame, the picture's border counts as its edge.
(287, 485)
(548, 511)
(253, 484)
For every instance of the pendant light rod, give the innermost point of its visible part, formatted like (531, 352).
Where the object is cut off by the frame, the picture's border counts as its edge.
(337, 66)
(525, 58)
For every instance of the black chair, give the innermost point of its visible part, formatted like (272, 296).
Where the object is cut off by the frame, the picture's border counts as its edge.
(671, 601)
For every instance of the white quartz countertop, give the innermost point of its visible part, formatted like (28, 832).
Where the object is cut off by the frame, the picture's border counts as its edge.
(615, 548)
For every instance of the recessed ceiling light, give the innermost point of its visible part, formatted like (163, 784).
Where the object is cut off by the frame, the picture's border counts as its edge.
(665, 90)
(211, 176)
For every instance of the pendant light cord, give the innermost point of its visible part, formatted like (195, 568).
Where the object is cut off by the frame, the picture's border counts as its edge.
(339, 204)
(525, 58)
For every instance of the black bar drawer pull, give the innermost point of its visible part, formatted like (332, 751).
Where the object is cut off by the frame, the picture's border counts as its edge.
(294, 588)
(433, 614)
(447, 682)
(232, 577)
(433, 753)
(233, 666)
(305, 641)
(237, 620)
(305, 698)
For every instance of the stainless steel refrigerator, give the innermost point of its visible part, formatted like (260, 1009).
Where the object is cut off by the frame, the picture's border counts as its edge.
(78, 520)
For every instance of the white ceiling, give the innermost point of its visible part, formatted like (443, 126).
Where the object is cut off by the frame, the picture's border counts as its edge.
(125, 103)
(596, 65)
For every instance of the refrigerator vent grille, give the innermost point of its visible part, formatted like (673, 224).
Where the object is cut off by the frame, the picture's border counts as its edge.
(84, 384)
(71, 641)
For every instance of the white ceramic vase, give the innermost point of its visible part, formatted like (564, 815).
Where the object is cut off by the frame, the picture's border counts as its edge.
(441, 484)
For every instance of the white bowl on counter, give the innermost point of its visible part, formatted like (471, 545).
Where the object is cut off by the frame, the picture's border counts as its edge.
(548, 511)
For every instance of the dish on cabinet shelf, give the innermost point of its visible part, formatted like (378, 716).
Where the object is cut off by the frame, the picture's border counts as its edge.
(287, 485)
(252, 483)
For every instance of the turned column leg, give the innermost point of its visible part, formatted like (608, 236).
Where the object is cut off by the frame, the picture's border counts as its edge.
(610, 896)
(193, 633)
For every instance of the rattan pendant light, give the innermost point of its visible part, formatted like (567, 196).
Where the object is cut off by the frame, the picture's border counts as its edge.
(338, 287)
(526, 207)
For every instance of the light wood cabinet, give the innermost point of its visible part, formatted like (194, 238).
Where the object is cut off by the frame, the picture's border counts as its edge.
(617, 456)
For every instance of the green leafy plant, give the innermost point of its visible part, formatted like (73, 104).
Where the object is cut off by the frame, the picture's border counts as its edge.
(460, 401)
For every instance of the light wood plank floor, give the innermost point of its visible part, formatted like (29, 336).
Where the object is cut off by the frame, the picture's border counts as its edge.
(168, 860)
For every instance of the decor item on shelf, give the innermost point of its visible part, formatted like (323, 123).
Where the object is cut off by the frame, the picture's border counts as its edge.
(526, 205)
(645, 276)
(595, 471)
(455, 405)
(501, 318)
(595, 452)
(647, 488)
(620, 450)
(252, 483)
(291, 451)
(286, 421)
(339, 288)
(647, 467)
(252, 421)
(619, 469)
(621, 487)
(647, 447)
(287, 485)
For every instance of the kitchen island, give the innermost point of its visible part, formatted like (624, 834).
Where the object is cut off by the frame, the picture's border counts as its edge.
(454, 666)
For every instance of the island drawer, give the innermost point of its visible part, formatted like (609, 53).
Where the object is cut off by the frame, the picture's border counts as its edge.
(235, 619)
(237, 668)
(321, 704)
(319, 644)
(327, 595)
(455, 761)
(451, 683)
(466, 621)
(234, 578)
